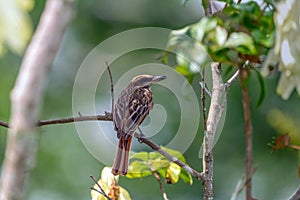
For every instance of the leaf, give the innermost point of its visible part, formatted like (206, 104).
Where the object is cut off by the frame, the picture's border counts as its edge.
(262, 88)
(205, 25)
(242, 42)
(124, 194)
(263, 38)
(107, 177)
(186, 177)
(16, 26)
(138, 169)
(173, 173)
(184, 70)
(221, 35)
(140, 156)
(144, 164)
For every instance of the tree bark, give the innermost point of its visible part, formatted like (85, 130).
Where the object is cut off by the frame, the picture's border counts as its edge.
(26, 98)
(215, 112)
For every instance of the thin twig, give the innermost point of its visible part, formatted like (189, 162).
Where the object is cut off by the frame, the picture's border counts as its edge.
(203, 100)
(111, 89)
(158, 178)
(294, 147)
(4, 124)
(161, 187)
(106, 117)
(101, 189)
(232, 79)
(241, 186)
(203, 86)
(208, 10)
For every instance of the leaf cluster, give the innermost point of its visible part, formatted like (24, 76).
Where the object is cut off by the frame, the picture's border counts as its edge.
(146, 164)
(241, 32)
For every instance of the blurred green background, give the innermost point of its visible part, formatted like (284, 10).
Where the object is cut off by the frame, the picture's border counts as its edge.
(64, 165)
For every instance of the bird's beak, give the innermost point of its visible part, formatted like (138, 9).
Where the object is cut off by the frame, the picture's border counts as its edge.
(158, 78)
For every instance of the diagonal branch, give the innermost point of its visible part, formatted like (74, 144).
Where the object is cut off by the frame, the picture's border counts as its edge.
(296, 196)
(100, 191)
(171, 158)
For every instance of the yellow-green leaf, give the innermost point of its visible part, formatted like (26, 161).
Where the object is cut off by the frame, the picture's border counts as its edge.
(138, 169)
(173, 173)
(186, 177)
(15, 25)
(140, 156)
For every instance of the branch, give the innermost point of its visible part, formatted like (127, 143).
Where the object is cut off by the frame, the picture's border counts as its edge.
(215, 112)
(101, 191)
(4, 124)
(161, 187)
(111, 89)
(232, 79)
(142, 138)
(208, 10)
(171, 158)
(203, 100)
(106, 117)
(26, 98)
(244, 74)
(296, 196)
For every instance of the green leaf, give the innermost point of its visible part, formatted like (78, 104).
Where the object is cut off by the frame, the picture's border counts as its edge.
(265, 39)
(186, 177)
(262, 88)
(205, 25)
(138, 169)
(157, 161)
(140, 156)
(221, 35)
(242, 42)
(144, 164)
(184, 70)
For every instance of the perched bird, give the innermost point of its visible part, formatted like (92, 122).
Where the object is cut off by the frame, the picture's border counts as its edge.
(132, 107)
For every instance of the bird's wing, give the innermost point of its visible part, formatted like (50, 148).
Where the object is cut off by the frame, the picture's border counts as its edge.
(129, 114)
(140, 104)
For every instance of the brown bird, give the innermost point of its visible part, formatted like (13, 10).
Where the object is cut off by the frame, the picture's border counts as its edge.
(133, 105)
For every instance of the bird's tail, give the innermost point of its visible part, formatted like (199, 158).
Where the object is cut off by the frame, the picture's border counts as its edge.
(121, 161)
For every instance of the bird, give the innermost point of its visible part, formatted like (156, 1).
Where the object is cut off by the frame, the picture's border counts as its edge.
(132, 107)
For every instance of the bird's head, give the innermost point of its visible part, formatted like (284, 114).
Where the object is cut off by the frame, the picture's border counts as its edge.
(146, 80)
